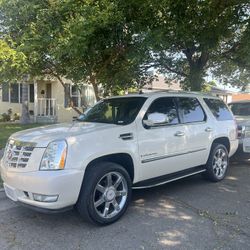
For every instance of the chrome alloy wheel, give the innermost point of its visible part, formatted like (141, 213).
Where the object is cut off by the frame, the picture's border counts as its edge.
(220, 163)
(110, 195)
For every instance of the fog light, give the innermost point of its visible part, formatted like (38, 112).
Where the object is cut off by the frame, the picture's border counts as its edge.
(45, 198)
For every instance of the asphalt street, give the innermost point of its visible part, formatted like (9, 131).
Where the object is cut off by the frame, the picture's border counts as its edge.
(187, 214)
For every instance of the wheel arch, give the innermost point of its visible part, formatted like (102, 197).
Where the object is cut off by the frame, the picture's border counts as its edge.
(123, 159)
(224, 141)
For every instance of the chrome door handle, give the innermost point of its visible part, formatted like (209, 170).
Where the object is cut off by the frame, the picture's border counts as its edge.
(179, 133)
(208, 129)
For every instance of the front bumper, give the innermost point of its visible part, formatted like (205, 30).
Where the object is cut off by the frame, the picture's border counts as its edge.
(241, 153)
(20, 187)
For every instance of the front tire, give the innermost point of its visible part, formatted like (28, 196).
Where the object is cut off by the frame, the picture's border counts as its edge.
(217, 163)
(105, 193)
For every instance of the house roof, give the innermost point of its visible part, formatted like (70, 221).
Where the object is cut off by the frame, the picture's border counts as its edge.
(161, 84)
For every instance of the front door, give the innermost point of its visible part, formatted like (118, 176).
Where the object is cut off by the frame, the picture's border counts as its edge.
(48, 90)
(161, 147)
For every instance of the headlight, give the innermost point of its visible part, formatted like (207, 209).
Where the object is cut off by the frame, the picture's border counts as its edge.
(54, 157)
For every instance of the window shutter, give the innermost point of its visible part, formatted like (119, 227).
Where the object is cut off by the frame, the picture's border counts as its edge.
(31, 93)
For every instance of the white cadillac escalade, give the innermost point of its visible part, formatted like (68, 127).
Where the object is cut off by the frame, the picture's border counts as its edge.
(133, 141)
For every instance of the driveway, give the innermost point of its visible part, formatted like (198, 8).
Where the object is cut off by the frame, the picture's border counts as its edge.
(187, 214)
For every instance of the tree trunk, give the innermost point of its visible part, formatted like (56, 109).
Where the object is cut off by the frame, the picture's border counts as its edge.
(95, 87)
(195, 79)
(25, 117)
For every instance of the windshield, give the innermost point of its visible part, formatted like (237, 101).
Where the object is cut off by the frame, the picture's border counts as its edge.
(240, 109)
(121, 111)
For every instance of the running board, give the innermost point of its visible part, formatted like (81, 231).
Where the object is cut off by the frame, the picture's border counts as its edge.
(168, 178)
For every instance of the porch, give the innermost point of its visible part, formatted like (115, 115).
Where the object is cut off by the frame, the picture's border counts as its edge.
(45, 110)
(45, 106)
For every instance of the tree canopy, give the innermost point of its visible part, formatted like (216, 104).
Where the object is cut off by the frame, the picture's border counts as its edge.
(12, 62)
(115, 43)
(191, 38)
(87, 41)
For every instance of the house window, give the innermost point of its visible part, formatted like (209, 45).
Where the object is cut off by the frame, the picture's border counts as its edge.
(5, 92)
(13, 93)
(75, 95)
(82, 95)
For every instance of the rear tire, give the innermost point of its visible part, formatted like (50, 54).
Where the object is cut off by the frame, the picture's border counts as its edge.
(105, 193)
(217, 163)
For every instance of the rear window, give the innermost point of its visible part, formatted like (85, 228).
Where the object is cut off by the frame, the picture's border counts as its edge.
(219, 109)
(240, 109)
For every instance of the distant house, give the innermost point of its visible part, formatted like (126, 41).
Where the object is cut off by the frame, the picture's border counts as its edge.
(241, 96)
(161, 85)
(225, 95)
(47, 102)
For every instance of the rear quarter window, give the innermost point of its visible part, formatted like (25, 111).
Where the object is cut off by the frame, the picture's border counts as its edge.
(219, 109)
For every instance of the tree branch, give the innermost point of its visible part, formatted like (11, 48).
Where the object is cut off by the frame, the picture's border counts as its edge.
(175, 71)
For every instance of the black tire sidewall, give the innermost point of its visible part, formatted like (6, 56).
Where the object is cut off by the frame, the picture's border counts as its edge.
(209, 166)
(92, 177)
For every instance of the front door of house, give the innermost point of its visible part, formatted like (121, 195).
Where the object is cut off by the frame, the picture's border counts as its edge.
(48, 90)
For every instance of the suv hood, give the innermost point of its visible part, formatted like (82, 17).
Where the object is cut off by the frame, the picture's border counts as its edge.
(42, 136)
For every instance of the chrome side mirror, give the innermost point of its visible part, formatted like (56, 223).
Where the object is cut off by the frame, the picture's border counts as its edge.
(156, 119)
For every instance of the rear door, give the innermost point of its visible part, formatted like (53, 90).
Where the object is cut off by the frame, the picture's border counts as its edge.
(199, 130)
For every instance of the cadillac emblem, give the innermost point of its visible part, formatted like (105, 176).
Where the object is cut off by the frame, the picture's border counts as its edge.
(10, 154)
(10, 151)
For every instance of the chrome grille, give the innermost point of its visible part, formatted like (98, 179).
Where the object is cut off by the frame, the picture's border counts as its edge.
(17, 153)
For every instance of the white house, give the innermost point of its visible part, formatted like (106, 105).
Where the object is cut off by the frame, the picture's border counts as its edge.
(47, 102)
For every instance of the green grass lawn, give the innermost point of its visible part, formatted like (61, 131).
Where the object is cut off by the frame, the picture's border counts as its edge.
(8, 129)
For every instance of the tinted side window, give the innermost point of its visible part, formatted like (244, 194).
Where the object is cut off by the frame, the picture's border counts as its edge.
(190, 110)
(219, 109)
(165, 105)
(240, 109)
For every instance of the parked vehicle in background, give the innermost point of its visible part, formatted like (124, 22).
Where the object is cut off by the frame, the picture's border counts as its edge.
(134, 141)
(241, 111)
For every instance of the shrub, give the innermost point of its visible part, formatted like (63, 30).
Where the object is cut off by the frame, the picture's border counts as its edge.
(16, 117)
(6, 117)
